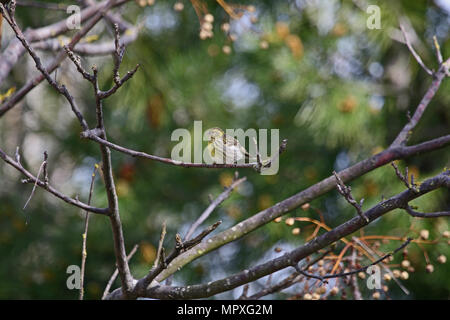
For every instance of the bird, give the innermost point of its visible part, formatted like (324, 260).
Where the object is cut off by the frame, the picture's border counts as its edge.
(224, 148)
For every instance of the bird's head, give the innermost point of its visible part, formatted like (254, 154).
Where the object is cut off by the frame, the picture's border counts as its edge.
(214, 133)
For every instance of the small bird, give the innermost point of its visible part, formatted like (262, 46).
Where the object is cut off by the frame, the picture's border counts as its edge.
(224, 148)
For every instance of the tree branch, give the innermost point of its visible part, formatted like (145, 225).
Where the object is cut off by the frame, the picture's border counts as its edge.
(414, 53)
(49, 188)
(98, 13)
(292, 258)
(438, 76)
(93, 135)
(86, 227)
(221, 198)
(116, 272)
(295, 201)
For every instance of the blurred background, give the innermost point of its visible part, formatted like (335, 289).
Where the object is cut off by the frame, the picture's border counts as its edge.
(337, 90)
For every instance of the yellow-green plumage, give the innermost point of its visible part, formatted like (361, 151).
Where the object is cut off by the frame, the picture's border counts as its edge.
(224, 148)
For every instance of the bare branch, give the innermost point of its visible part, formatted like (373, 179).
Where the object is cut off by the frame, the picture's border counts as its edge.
(47, 187)
(86, 227)
(356, 292)
(417, 214)
(60, 88)
(406, 132)
(292, 258)
(43, 165)
(214, 204)
(414, 53)
(103, 48)
(97, 13)
(92, 135)
(437, 48)
(292, 279)
(344, 274)
(405, 178)
(160, 246)
(374, 256)
(346, 192)
(116, 272)
(180, 246)
(295, 201)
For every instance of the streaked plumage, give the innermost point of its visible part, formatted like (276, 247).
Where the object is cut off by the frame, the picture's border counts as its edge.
(224, 148)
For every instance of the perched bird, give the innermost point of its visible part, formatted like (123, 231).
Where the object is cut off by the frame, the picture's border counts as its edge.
(224, 148)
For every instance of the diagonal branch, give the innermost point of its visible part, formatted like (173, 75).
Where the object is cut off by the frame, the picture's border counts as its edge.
(116, 272)
(49, 188)
(373, 255)
(414, 53)
(180, 247)
(14, 50)
(292, 258)
(31, 84)
(438, 76)
(259, 219)
(42, 167)
(221, 198)
(290, 280)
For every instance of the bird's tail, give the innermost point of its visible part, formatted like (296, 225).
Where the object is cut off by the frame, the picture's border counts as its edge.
(255, 159)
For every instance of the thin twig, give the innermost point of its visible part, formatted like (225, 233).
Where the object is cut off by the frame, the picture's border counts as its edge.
(86, 227)
(346, 192)
(44, 71)
(258, 156)
(414, 53)
(406, 132)
(116, 272)
(405, 178)
(344, 274)
(221, 198)
(417, 214)
(374, 255)
(437, 48)
(356, 292)
(49, 188)
(160, 245)
(244, 292)
(292, 279)
(180, 247)
(43, 164)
